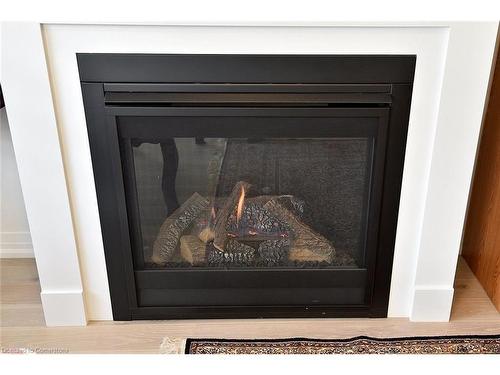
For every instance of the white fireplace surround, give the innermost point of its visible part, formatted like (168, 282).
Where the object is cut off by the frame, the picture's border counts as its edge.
(45, 110)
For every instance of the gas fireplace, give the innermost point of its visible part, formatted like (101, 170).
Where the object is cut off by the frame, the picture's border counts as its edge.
(247, 185)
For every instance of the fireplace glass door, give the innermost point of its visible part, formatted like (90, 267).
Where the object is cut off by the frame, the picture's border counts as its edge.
(251, 206)
(252, 202)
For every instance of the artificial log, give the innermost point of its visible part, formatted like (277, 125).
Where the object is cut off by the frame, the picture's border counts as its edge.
(293, 204)
(290, 202)
(206, 235)
(173, 227)
(256, 223)
(224, 213)
(274, 252)
(203, 225)
(304, 252)
(193, 250)
(307, 245)
(235, 254)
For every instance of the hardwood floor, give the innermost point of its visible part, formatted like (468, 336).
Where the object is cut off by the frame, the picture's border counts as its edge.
(22, 324)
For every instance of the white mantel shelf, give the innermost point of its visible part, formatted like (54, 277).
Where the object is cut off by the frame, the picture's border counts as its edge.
(44, 104)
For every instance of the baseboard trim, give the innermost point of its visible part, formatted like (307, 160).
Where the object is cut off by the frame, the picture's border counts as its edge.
(65, 308)
(26, 252)
(432, 304)
(16, 245)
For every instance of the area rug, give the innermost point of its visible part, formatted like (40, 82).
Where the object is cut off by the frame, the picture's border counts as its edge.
(357, 345)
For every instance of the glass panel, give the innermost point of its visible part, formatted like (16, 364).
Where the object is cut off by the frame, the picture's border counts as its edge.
(274, 202)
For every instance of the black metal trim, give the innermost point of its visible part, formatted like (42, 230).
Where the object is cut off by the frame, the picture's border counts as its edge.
(393, 177)
(141, 127)
(248, 278)
(252, 312)
(222, 111)
(181, 68)
(106, 182)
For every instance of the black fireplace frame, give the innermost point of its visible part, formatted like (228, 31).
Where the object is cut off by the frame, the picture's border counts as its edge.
(119, 86)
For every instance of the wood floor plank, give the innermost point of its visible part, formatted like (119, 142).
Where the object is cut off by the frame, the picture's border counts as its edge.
(25, 315)
(20, 293)
(16, 271)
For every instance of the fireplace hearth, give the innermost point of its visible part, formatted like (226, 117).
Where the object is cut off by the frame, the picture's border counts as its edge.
(247, 185)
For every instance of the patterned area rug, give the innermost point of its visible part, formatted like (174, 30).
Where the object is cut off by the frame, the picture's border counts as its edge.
(357, 345)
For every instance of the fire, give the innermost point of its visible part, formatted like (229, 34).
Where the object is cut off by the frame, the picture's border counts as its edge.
(241, 201)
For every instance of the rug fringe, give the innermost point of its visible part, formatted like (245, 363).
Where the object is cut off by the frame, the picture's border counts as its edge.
(173, 345)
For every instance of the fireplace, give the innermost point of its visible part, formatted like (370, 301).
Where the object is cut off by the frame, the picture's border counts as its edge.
(247, 185)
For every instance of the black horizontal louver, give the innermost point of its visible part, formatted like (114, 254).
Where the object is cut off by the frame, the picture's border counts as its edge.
(245, 99)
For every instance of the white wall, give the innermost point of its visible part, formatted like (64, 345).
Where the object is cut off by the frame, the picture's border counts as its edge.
(15, 239)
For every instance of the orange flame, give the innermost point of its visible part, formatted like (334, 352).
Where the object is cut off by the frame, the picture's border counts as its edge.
(241, 201)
